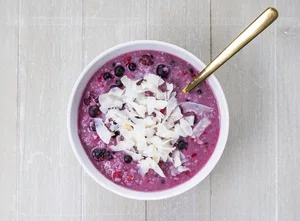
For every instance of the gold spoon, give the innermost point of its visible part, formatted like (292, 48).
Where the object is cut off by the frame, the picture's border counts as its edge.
(254, 29)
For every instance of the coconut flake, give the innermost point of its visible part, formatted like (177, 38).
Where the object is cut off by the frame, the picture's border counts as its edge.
(186, 128)
(201, 126)
(176, 158)
(109, 101)
(135, 156)
(102, 130)
(150, 104)
(123, 145)
(140, 109)
(172, 104)
(164, 132)
(198, 109)
(146, 133)
(169, 90)
(176, 114)
(190, 120)
(148, 163)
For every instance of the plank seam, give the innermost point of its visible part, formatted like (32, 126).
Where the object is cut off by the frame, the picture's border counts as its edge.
(18, 132)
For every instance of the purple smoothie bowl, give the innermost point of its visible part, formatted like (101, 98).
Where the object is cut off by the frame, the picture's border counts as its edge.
(76, 117)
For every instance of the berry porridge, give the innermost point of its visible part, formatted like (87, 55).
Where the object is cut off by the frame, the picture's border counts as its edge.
(137, 126)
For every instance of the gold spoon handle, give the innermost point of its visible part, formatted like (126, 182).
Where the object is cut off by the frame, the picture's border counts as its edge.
(254, 29)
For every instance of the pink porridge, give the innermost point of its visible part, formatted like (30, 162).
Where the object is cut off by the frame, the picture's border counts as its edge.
(137, 126)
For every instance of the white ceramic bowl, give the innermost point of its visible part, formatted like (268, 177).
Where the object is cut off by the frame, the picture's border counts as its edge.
(73, 116)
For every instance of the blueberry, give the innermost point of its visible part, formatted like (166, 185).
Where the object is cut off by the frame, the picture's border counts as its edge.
(117, 133)
(147, 60)
(92, 126)
(98, 154)
(107, 76)
(93, 111)
(191, 70)
(119, 83)
(182, 145)
(132, 66)
(162, 181)
(187, 100)
(199, 91)
(127, 159)
(114, 64)
(162, 71)
(119, 71)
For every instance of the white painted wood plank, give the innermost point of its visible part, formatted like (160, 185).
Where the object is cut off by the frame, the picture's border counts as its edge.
(288, 109)
(8, 100)
(50, 61)
(107, 23)
(186, 24)
(243, 183)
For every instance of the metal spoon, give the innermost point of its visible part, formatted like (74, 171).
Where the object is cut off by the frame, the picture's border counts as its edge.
(254, 29)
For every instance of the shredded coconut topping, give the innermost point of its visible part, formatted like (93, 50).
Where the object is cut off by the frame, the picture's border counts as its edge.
(149, 126)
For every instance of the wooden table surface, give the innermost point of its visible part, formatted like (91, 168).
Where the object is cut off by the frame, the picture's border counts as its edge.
(45, 45)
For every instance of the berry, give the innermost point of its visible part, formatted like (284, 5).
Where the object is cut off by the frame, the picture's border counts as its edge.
(147, 60)
(92, 126)
(129, 177)
(107, 76)
(98, 154)
(162, 71)
(93, 111)
(191, 70)
(97, 100)
(127, 60)
(117, 133)
(163, 111)
(132, 66)
(162, 181)
(182, 145)
(199, 91)
(194, 155)
(119, 83)
(127, 159)
(119, 71)
(117, 176)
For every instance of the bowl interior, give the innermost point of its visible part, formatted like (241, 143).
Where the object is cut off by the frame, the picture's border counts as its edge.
(73, 117)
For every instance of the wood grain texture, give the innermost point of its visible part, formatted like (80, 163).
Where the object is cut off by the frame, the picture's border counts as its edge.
(8, 100)
(243, 184)
(107, 23)
(50, 61)
(179, 22)
(288, 109)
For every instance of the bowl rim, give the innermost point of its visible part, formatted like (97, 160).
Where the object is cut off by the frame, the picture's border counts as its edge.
(162, 194)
